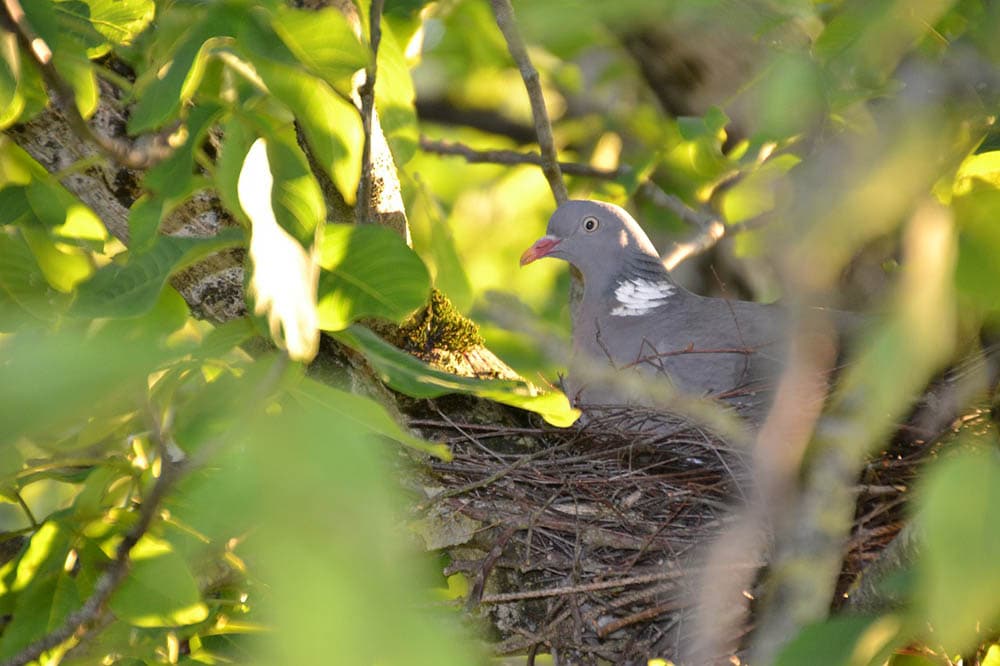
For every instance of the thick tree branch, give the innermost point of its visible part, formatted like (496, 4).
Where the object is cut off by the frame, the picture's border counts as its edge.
(141, 153)
(504, 14)
(367, 94)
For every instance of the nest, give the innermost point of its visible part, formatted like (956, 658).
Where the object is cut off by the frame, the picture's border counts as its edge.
(584, 541)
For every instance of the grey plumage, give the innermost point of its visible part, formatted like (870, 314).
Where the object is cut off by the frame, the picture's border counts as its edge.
(633, 316)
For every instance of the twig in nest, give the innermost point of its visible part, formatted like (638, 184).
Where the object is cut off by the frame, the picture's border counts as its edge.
(504, 14)
(139, 154)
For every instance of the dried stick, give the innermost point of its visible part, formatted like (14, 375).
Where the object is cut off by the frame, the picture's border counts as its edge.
(139, 154)
(367, 95)
(589, 587)
(504, 14)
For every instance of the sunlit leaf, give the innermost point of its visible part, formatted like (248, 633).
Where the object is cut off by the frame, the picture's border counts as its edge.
(364, 412)
(117, 21)
(284, 277)
(160, 590)
(367, 271)
(331, 124)
(72, 376)
(324, 42)
(11, 102)
(413, 377)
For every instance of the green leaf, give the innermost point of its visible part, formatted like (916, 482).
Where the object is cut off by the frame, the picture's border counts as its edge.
(296, 198)
(394, 95)
(368, 271)
(129, 289)
(46, 593)
(364, 412)
(160, 590)
(23, 281)
(114, 21)
(413, 377)
(324, 42)
(331, 124)
(844, 640)
(63, 266)
(958, 574)
(237, 137)
(160, 99)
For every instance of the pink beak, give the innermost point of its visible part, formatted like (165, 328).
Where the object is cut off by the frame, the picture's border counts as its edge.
(542, 247)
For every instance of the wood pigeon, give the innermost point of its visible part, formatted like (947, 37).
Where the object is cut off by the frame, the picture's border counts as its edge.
(635, 317)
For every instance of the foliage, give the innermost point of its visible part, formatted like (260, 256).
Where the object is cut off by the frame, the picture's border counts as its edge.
(277, 540)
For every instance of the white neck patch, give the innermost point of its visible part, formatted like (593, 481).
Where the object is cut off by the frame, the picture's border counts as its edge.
(637, 297)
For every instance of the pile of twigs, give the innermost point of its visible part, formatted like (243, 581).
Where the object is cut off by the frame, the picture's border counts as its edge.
(585, 541)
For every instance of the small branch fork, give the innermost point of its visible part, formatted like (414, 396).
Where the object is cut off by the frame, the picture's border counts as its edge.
(141, 153)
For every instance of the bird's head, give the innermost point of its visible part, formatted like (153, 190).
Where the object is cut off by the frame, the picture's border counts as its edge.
(600, 239)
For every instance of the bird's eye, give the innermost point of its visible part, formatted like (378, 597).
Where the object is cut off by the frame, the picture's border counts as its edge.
(590, 224)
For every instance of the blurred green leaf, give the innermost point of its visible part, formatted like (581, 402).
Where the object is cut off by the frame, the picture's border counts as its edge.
(958, 573)
(367, 271)
(23, 281)
(365, 412)
(323, 498)
(71, 376)
(978, 271)
(160, 590)
(63, 266)
(413, 377)
(846, 640)
(129, 289)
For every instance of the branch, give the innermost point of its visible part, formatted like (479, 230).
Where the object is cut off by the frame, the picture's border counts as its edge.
(711, 229)
(543, 128)
(93, 608)
(367, 95)
(511, 157)
(142, 153)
